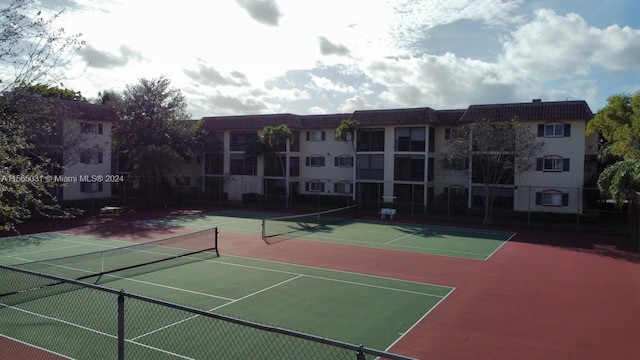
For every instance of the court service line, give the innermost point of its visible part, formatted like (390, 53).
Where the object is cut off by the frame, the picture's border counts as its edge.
(334, 280)
(330, 270)
(406, 235)
(46, 250)
(215, 308)
(321, 238)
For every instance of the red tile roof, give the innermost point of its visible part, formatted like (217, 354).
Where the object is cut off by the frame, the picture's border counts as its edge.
(537, 110)
(52, 107)
(395, 116)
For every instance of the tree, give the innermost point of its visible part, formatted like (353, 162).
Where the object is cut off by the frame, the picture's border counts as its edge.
(161, 165)
(32, 49)
(347, 131)
(273, 140)
(618, 125)
(22, 189)
(497, 152)
(154, 120)
(154, 113)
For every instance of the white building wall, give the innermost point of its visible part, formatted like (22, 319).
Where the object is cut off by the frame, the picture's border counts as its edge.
(568, 182)
(329, 149)
(75, 171)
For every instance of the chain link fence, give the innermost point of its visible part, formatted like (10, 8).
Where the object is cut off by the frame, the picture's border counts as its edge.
(536, 207)
(86, 321)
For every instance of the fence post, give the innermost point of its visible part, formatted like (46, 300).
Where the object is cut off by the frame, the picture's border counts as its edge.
(360, 355)
(121, 325)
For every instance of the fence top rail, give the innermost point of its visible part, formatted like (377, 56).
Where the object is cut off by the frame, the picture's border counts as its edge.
(258, 326)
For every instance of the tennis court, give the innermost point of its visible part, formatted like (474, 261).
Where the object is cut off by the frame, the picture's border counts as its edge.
(392, 235)
(349, 307)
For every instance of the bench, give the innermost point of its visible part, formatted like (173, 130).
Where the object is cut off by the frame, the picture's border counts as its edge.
(387, 211)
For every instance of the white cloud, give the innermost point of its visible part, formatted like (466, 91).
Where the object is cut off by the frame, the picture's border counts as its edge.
(562, 47)
(439, 81)
(319, 83)
(354, 103)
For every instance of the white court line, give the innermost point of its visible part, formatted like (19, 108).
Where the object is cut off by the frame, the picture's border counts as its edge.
(334, 280)
(501, 245)
(406, 235)
(216, 308)
(34, 346)
(321, 238)
(323, 269)
(419, 320)
(92, 330)
(46, 250)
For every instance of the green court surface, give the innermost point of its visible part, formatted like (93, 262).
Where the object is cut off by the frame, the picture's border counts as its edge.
(437, 240)
(349, 307)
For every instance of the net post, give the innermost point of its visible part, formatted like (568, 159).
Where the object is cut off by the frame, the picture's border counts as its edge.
(360, 354)
(121, 341)
(215, 241)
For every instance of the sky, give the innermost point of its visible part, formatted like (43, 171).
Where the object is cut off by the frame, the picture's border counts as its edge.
(240, 57)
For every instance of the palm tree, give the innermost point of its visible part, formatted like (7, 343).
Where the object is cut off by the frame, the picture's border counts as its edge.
(271, 142)
(159, 164)
(346, 132)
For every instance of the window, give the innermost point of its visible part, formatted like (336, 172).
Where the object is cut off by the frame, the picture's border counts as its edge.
(552, 198)
(410, 139)
(371, 167)
(432, 139)
(273, 165)
(91, 128)
(409, 193)
(294, 166)
(554, 130)
(213, 163)
(314, 186)
(295, 145)
(240, 140)
(92, 156)
(90, 187)
(409, 167)
(430, 169)
(370, 140)
(552, 164)
(342, 187)
(241, 164)
(343, 161)
(315, 161)
(213, 142)
(315, 135)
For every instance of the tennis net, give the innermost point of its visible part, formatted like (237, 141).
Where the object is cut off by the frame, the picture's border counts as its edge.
(102, 266)
(280, 228)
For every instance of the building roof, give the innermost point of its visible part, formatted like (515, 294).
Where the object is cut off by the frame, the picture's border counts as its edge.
(395, 116)
(531, 111)
(249, 122)
(68, 109)
(535, 110)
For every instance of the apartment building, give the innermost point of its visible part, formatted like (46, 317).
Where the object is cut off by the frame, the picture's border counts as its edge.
(79, 141)
(396, 157)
